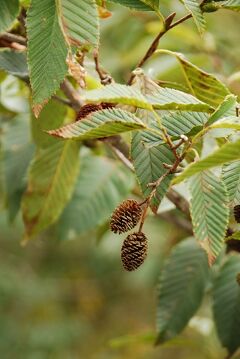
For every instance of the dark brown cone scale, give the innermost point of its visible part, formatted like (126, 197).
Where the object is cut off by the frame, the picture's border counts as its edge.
(236, 211)
(90, 108)
(134, 251)
(125, 216)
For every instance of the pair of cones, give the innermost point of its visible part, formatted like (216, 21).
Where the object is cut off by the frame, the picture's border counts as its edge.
(134, 248)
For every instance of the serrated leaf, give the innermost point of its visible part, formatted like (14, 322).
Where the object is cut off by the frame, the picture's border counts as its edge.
(231, 178)
(204, 86)
(132, 4)
(80, 21)
(227, 153)
(226, 304)
(182, 283)
(51, 180)
(148, 164)
(8, 12)
(231, 5)
(117, 93)
(153, 4)
(210, 212)
(102, 184)
(226, 108)
(47, 51)
(194, 7)
(14, 63)
(100, 124)
(171, 99)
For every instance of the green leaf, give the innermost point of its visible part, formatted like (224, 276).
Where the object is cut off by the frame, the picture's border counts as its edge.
(171, 99)
(51, 180)
(148, 164)
(209, 212)
(226, 304)
(133, 4)
(227, 153)
(226, 108)
(47, 51)
(153, 4)
(52, 116)
(14, 63)
(182, 283)
(231, 178)
(80, 21)
(117, 93)
(204, 86)
(8, 12)
(100, 124)
(230, 5)
(102, 184)
(194, 7)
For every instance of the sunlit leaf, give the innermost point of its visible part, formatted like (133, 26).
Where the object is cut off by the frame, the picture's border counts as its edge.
(209, 212)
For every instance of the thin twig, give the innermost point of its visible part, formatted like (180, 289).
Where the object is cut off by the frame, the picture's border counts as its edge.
(9, 37)
(154, 44)
(72, 94)
(62, 100)
(178, 221)
(121, 157)
(105, 78)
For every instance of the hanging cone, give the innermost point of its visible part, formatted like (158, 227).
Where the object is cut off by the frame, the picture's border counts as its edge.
(134, 251)
(125, 216)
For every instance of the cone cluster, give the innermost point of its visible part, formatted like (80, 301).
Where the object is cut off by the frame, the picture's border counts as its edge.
(134, 251)
(125, 216)
(236, 211)
(134, 248)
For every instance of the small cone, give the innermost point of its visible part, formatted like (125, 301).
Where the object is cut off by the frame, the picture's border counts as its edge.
(125, 216)
(134, 251)
(236, 211)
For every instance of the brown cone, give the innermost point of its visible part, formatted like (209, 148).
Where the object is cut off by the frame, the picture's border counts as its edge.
(134, 251)
(125, 216)
(236, 211)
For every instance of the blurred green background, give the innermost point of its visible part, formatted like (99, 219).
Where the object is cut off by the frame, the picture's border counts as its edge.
(67, 299)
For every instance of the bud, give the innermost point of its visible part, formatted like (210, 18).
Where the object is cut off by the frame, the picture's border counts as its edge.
(125, 216)
(134, 251)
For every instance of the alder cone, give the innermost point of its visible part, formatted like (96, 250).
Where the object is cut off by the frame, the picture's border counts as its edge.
(134, 251)
(86, 110)
(125, 216)
(236, 211)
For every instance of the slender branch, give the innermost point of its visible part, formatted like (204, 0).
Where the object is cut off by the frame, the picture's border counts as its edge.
(9, 37)
(121, 157)
(180, 202)
(178, 221)
(62, 100)
(104, 77)
(154, 44)
(72, 95)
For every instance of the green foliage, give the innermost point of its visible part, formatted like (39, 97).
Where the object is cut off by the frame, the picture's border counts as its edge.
(226, 305)
(209, 212)
(8, 12)
(180, 292)
(148, 120)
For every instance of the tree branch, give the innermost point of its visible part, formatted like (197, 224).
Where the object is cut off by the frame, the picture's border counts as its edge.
(72, 95)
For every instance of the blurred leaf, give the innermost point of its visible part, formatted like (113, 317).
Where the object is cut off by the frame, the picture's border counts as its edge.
(51, 181)
(14, 63)
(209, 212)
(100, 124)
(231, 178)
(133, 4)
(230, 5)
(80, 22)
(8, 12)
(47, 51)
(194, 7)
(226, 304)
(204, 86)
(117, 93)
(182, 283)
(102, 184)
(227, 153)
(148, 164)
(52, 116)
